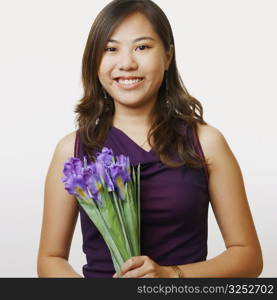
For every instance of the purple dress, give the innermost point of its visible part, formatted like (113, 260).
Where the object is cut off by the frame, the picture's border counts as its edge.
(174, 210)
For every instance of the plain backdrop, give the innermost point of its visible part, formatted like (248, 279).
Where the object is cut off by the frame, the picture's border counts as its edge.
(226, 54)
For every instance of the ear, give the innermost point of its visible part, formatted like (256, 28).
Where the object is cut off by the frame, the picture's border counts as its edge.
(169, 55)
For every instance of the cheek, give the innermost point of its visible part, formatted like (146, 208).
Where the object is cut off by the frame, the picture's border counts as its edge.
(154, 66)
(155, 72)
(105, 69)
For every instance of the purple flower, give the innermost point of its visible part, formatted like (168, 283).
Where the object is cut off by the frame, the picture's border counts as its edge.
(90, 179)
(120, 174)
(105, 157)
(125, 163)
(73, 175)
(102, 172)
(93, 182)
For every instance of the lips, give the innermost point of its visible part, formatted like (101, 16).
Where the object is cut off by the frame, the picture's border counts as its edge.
(128, 82)
(127, 77)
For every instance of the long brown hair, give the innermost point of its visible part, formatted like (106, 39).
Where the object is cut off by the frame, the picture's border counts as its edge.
(95, 112)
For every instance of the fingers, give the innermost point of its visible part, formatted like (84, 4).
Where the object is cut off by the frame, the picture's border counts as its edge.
(139, 267)
(133, 267)
(132, 263)
(136, 273)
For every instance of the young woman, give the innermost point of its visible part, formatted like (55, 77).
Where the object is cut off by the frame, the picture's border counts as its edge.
(135, 103)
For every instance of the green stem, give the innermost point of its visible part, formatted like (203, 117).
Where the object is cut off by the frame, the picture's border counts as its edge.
(122, 222)
(104, 230)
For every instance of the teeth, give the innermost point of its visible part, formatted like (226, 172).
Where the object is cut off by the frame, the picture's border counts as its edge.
(128, 81)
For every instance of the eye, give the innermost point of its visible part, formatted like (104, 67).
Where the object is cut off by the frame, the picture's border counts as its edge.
(143, 47)
(110, 49)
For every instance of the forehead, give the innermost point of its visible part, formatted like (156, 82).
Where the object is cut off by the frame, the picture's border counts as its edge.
(134, 26)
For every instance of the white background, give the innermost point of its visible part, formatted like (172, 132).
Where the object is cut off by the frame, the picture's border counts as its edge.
(226, 54)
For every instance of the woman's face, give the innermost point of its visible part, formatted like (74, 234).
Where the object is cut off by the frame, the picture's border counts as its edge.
(133, 63)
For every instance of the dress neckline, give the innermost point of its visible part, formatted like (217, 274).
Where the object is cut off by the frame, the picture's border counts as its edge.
(133, 142)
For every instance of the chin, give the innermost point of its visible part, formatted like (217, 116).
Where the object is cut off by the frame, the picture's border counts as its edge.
(130, 103)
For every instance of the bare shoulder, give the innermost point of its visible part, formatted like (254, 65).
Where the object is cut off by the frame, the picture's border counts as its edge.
(65, 145)
(212, 141)
(64, 149)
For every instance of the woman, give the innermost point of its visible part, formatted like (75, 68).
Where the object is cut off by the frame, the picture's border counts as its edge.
(135, 102)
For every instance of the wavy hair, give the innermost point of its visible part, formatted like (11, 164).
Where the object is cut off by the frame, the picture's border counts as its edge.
(175, 109)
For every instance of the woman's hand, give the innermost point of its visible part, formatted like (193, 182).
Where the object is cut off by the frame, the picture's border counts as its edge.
(144, 267)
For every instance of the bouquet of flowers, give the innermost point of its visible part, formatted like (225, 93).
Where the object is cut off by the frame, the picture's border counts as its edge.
(109, 192)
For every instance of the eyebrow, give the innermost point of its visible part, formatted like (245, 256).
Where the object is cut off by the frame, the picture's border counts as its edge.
(143, 38)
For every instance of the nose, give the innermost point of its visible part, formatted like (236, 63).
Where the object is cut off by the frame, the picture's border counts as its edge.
(127, 62)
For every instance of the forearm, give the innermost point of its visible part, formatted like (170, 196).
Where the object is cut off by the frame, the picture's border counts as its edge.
(234, 262)
(55, 267)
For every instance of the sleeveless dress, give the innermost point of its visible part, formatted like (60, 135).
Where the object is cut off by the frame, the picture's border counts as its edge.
(174, 209)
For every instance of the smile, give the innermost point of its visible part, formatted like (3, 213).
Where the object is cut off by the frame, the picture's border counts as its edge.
(129, 83)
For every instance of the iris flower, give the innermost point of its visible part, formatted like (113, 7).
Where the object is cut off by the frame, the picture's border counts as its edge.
(109, 192)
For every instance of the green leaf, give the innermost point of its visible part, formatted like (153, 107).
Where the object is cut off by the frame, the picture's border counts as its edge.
(95, 216)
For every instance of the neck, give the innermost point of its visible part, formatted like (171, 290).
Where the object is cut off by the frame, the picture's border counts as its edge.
(139, 119)
(132, 123)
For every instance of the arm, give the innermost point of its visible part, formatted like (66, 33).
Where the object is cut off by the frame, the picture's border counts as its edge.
(243, 255)
(59, 217)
